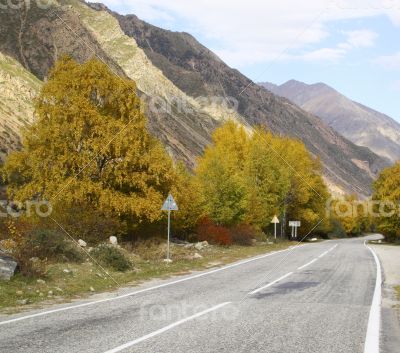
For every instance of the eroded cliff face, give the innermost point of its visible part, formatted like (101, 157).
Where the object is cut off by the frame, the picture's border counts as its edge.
(18, 88)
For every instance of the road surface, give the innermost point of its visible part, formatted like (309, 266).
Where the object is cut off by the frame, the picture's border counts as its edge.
(315, 298)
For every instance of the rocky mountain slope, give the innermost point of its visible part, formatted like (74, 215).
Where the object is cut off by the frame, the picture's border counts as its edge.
(360, 124)
(185, 86)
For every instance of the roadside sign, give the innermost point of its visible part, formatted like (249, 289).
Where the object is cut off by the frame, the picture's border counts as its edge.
(294, 225)
(275, 220)
(169, 205)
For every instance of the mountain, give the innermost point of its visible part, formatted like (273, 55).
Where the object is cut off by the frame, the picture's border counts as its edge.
(184, 85)
(360, 124)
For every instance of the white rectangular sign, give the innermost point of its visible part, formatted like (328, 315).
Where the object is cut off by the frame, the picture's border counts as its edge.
(294, 224)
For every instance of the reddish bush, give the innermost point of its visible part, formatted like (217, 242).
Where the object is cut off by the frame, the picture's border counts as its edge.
(243, 234)
(214, 234)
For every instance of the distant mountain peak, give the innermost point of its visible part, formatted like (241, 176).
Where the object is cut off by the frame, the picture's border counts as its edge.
(360, 124)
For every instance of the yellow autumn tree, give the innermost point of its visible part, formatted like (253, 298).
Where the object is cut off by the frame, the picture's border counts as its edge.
(220, 175)
(387, 194)
(308, 194)
(267, 180)
(90, 145)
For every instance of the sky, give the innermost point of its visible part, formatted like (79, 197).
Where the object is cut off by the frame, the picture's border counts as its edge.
(351, 45)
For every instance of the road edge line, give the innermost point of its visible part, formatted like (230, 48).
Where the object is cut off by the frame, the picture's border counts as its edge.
(372, 338)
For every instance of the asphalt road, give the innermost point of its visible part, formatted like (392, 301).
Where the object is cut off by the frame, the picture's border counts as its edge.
(315, 298)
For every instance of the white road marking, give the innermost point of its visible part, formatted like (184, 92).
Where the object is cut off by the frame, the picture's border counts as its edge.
(271, 284)
(307, 264)
(43, 313)
(316, 259)
(166, 328)
(374, 321)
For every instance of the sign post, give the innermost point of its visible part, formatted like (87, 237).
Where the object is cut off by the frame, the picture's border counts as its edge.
(275, 221)
(294, 225)
(169, 205)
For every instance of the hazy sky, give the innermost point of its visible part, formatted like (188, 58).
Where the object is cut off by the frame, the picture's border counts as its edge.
(352, 45)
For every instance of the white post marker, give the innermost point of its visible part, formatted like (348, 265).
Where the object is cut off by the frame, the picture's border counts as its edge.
(275, 221)
(294, 225)
(169, 205)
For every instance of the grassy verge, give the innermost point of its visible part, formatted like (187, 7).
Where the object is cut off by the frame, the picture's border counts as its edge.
(65, 282)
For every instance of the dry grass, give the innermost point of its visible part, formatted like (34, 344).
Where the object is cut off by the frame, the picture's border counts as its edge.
(68, 281)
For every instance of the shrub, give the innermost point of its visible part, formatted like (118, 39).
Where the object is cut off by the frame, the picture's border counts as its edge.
(111, 256)
(33, 248)
(214, 234)
(52, 245)
(243, 234)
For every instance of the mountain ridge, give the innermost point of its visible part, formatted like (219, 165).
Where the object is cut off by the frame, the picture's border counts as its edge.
(362, 125)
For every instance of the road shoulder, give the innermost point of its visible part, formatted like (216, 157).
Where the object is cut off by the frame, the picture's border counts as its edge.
(389, 257)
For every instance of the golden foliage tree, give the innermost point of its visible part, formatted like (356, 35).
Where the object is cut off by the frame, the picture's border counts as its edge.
(90, 145)
(387, 193)
(220, 175)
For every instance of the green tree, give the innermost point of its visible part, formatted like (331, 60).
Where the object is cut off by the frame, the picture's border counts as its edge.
(90, 144)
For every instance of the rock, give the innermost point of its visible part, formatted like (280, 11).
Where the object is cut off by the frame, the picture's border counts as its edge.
(113, 240)
(19, 292)
(41, 294)
(197, 256)
(40, 281)
(82, 243)
(205, 243)
(199, 246)
(92, 289)
(65, 270)
(58, 289)
(313, 239)
(22, 302)
(188, 246)
(50, 293)
(8, 266)
(168, 261)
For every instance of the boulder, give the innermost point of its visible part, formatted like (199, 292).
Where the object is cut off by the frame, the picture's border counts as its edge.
(197, 256)
(82, 243)
(113, 240)
(199, 246)
(8, 267)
